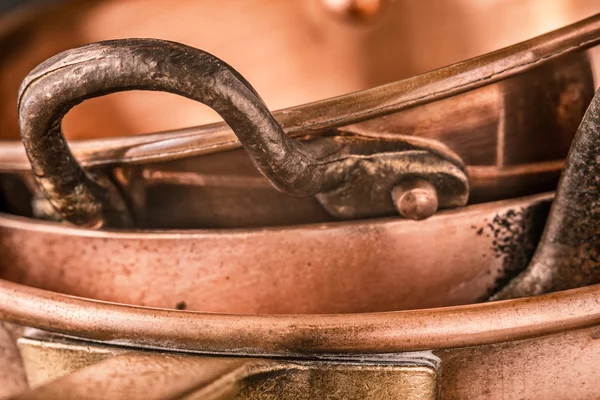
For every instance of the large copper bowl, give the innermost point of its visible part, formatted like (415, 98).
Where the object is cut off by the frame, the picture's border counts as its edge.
(499, 136)
(325, 268)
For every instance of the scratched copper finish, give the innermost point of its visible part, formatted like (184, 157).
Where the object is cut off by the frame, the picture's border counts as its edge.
(556, 366)
(539, 347)
(303, 269)
(564, 42)
(308, 335)
(486, 113)
(301, 334)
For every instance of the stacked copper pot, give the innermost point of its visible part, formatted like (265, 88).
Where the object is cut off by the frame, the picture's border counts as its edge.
(397, 229)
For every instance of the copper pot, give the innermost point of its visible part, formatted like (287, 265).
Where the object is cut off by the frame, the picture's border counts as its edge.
(561, 64)
(245, 269)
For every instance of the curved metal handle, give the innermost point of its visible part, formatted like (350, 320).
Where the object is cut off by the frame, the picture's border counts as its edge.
(71, 77)
(342, 174)
(568, 255)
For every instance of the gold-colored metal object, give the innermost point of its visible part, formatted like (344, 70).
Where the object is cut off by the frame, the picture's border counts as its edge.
(164, 376)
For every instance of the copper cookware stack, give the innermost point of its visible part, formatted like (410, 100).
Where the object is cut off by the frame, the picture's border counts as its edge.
(396, 229)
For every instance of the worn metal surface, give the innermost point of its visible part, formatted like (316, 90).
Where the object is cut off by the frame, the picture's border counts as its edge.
(224, 191)
(567, 256)
(373, 103)
(558, 358)
(562, 366)
(551, 367)
(377, 265)
(349, 181)
(300, 335)
(55, 364)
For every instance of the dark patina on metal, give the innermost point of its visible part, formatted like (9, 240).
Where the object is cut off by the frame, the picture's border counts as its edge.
(351, 182)
(568, 255)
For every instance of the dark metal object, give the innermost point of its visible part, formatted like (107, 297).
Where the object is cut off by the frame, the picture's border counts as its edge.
(568, 255)
(415, 199)
(350, 183)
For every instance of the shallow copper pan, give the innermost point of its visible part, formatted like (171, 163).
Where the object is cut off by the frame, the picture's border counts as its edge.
(540, 347)
(511, 127)
(377, 265)
(242, 270)
(544, 346)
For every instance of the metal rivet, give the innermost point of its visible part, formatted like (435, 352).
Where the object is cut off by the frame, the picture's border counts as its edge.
(415, 199)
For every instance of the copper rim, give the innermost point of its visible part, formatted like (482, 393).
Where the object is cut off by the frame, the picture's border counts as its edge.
(300, 335)
(338, 111)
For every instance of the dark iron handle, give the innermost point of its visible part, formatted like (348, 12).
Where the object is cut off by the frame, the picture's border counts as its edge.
(71, 77)
(351, 181)
(568, 255)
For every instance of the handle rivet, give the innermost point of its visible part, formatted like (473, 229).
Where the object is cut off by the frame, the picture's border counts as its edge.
(415, 199)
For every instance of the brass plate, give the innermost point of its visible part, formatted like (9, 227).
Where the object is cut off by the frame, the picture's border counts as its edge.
(63, 368)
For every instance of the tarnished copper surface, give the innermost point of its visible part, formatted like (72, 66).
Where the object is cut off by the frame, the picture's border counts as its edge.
(223, 190)
(376, 265)
(312, 294)
(561, 366)
(321, 334)
(376, 102)
(301, 335)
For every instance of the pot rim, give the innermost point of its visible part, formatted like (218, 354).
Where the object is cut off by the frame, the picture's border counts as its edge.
(300, 335)
(337, 111)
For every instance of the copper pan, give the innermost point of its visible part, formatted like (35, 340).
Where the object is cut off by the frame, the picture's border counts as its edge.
(521, 341)
(310, 246)
(538, 337)
(499, 229)
(339, 267)
(495, 127)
